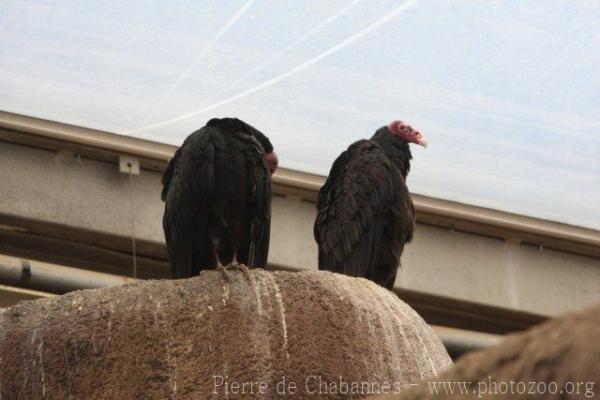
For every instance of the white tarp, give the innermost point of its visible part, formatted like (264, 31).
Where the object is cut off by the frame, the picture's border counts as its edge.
(508, 93)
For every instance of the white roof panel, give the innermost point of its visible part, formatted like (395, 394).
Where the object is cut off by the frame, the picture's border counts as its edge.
(506, 92)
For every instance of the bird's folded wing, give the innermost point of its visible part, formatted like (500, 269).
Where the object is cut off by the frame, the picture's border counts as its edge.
(188, 185)
(351, 207)
(259, 190)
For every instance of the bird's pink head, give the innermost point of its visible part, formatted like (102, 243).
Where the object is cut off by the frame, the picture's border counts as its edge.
(272, 161)
(406, 133)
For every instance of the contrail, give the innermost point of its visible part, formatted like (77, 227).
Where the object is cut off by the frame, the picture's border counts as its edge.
(383, 20)
(289, 47)
(204, 51)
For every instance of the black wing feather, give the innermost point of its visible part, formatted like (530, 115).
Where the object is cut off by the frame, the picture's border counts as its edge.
(260, 182)
(254, 249)
(188, 187)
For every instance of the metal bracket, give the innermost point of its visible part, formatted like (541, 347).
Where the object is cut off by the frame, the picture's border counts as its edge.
(129, 165)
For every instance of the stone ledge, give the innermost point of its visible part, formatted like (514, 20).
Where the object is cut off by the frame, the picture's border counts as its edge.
(197, 338)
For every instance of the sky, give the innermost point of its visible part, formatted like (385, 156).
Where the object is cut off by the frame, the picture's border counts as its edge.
(507, 93)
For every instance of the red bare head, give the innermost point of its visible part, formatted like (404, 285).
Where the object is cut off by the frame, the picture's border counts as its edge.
(272, 161)
(406, 133)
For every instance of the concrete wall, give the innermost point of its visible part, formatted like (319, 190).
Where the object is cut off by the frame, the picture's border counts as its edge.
(498, 272)
(59, 188)
(64, 189)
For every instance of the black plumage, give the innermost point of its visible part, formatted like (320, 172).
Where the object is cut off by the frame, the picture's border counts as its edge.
(365, 213)
(217, 194)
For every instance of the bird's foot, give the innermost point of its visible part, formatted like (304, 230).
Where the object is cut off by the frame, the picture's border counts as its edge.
(223, 270)
(245, 270)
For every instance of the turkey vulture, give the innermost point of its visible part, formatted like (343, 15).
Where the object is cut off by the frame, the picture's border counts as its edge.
(217, 194)
(365, 213)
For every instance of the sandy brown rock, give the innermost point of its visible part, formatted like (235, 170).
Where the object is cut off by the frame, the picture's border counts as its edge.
(176, 339)
(559, 359)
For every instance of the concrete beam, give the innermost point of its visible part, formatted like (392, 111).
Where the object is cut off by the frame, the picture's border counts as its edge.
(10, 295)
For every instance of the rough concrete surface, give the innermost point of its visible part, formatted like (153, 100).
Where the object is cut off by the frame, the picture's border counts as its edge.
(559, 359)
(322, 334)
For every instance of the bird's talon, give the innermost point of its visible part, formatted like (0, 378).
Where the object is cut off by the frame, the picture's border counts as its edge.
(245, 270)
(224, 272)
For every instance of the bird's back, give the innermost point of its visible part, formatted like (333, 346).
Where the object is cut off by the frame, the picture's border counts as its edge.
(217, 195)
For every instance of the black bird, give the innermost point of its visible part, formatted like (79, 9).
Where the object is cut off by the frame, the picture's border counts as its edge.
(217, 194)
(365, 213)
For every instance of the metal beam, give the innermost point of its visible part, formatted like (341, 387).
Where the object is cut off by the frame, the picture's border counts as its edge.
(460, 341)
(57, 279)
(87, 137)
